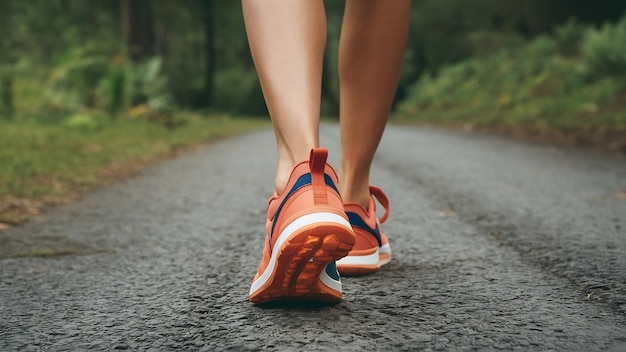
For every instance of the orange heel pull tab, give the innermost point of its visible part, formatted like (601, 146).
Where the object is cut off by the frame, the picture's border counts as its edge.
(382, 199)
(317, 163)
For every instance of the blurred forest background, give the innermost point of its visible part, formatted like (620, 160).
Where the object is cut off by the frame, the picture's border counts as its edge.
(58, 56)
(153, 74)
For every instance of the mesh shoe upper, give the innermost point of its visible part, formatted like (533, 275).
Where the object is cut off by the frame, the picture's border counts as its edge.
(371, 249)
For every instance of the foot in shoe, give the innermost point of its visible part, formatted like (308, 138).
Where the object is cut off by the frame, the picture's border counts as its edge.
(307, 231)
(371, 250)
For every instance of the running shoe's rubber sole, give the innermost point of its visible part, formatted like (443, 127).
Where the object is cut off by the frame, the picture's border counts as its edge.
(297, 268)
(366, 264)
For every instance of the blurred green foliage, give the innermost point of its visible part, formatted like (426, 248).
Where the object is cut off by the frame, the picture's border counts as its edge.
(63, 57)
(60, 57)
(571, 79)
(605, 49)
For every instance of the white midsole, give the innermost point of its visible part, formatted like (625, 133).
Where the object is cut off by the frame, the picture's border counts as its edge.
(329, 281)
(370, 259)
(284, 236)
(384, 249)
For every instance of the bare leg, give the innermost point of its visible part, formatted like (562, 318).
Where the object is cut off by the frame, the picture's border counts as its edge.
(372, 46)
(287, 40)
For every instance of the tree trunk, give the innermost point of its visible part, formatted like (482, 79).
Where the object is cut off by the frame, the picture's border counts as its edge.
(7, 58)
(6, 94)
(329, 96)
(208, 13)
(137, 28)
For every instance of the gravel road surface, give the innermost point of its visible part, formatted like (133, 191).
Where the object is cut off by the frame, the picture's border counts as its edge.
(497, 244)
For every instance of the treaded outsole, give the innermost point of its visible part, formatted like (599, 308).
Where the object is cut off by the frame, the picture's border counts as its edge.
(300, 261)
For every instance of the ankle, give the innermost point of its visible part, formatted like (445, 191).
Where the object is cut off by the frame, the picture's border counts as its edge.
(287, 160)
(353, 187)
(357, 196)
(282, 175)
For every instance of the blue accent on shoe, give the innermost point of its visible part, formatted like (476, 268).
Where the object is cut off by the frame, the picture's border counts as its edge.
(331, 271)
(330, 183)
(356, 220)
(304, 180)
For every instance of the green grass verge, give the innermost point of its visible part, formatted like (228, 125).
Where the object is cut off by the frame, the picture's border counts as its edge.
(49, 163)
(579, 118)
(539, 90)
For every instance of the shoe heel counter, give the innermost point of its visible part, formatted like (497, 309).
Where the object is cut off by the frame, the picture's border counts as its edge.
(317, 165)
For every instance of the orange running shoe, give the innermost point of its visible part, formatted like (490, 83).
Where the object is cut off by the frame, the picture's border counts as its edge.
(307, 230)
(372, 249)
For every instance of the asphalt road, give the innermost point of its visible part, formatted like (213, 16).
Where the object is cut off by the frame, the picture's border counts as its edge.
(497, 244)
